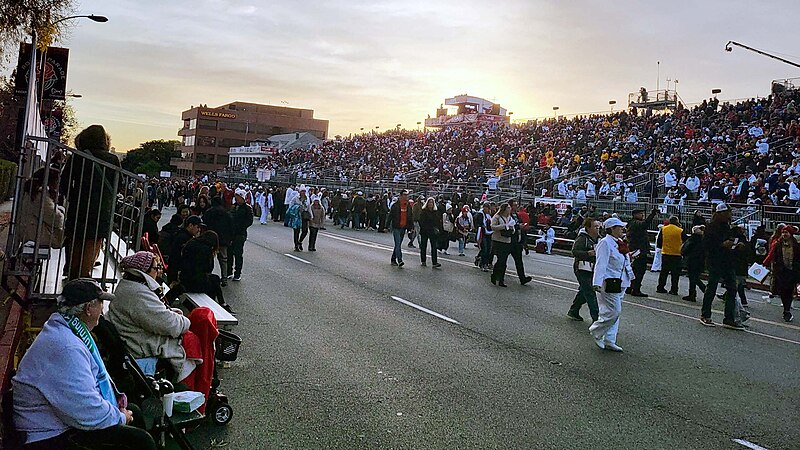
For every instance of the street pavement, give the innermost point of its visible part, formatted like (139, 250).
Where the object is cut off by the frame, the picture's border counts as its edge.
(343, 351)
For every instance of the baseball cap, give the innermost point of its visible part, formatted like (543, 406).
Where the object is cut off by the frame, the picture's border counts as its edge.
(613, 222)
(82, 290)
(722, 207)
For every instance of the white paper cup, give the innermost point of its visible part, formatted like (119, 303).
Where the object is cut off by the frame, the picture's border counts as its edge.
(168, 402)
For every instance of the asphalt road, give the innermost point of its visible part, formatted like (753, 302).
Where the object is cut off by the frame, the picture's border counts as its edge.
(336, 355)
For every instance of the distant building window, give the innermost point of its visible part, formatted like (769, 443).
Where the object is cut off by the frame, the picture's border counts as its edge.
(206, 124)
(234, 126)
(222, 159)
(192, 124)
(188, 141)
(232, 142)
(205, 158)
(206, 141)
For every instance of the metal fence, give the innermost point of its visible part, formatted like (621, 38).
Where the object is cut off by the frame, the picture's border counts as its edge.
(74, 214)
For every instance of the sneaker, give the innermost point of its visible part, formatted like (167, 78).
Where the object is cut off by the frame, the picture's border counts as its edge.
(730, 324)
(689, 298)
(673, 292)
(599, 342)
(228, 308)
(706, 321)
(613, 347)
(411, 245)
(575, 317)
(437, 265)
(224, 282)
(229, 277)
(424, 264)
(525, 280)
(661, 290)
(787, 316)
(401, 264)
(461, 254)
(394, 263)
(237, 277)
(445, 252)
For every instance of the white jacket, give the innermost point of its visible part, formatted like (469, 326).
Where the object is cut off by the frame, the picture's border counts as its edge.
(610, 263)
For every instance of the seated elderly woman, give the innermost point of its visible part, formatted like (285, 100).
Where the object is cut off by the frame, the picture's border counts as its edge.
(149, 327)
(63, 395)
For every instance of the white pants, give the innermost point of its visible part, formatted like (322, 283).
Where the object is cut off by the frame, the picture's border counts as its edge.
(264, 213)
(607, 322)
(549, 244)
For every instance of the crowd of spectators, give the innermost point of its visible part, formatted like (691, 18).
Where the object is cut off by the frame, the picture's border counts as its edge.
(695, 152)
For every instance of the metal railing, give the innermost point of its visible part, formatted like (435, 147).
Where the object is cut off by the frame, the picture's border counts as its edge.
(71, 208)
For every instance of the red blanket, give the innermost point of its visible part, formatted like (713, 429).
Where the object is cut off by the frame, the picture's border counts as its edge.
(199, 344)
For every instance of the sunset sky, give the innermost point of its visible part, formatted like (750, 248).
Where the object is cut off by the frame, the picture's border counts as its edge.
(380, 63)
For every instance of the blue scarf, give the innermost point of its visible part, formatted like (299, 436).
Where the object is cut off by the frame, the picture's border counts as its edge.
(79, 329)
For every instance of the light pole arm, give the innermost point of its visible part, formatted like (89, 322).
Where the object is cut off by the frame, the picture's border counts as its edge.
(729, 48)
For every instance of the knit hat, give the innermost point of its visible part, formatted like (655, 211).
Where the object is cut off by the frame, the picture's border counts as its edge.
(140, 261)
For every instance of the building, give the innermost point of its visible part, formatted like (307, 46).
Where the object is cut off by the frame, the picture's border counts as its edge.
(208, 133)
(262, 148)
(470, 110)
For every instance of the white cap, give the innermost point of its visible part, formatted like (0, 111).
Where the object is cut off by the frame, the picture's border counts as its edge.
(613, 222)
(240, 192)
(722, 207)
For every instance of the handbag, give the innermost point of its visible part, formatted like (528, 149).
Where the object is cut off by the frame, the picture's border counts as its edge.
(305, 215)
(613, 285)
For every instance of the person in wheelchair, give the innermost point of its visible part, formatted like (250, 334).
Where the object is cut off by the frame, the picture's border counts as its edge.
(63, 396)
(150, 329)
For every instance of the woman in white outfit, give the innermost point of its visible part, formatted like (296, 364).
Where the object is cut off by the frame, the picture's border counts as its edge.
(612, 275)
(656, 266)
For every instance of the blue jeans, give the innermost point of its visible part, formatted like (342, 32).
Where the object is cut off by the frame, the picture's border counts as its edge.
(356, 220)
(462, 243)
(398, 234)
(728, 278)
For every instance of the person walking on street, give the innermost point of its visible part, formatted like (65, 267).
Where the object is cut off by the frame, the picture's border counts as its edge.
(503, 231)
(695, 256)
(583, 266)
(300, 210)
(463, 228)
(316, 223)
(484, 236)
(400, 221)
(640, 248)
(719, 244)
(785, 261)
(671, 242)
(429, 230)
(416, 211)
(219, 221)
(242, 218)
(517, 244)
(612, 274)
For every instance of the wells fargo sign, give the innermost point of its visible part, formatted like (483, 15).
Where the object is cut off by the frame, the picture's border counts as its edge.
(219, 114)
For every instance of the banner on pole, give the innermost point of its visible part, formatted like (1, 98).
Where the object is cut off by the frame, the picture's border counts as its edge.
(51, 75)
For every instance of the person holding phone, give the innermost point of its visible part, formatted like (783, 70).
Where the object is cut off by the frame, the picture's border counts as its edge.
(612, 275)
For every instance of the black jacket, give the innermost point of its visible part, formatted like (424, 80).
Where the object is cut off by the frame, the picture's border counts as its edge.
(637, 233)
(580, 249)
(150, 227)
(394, 216)
(430, 222)
(359, 204)
(718, 256)
(242, 218)
(175, 253)
(694, 253)
(198, 263)
(219, 221)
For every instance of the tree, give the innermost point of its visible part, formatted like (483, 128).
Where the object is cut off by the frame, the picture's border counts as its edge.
(151, 157)
(17, 17)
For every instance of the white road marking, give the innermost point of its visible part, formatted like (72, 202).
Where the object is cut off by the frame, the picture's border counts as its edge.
(549, 277)
(425, 310)
(749, 444)
(296, 258)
